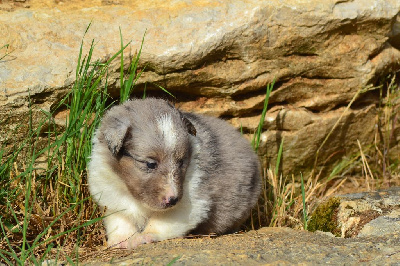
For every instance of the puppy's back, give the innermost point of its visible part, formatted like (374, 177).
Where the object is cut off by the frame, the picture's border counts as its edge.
(232, 174)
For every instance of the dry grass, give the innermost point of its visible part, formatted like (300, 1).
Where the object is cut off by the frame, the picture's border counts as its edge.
(62, 228)
(374, 167)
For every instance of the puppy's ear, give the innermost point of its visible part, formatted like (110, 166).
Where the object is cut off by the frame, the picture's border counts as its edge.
(115, 134)
(189, 126)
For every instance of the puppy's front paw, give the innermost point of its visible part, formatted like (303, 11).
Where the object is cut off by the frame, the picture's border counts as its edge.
(141, 239)
(118, 242)
(132, 242)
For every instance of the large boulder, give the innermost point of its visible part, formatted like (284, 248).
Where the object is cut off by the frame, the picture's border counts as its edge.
(218, 58)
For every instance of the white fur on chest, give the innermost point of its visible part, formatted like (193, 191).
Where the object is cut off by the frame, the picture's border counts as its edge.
(126, 216)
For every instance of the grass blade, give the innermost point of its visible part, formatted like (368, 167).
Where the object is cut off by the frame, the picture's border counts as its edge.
(303, 196)
(257, 136)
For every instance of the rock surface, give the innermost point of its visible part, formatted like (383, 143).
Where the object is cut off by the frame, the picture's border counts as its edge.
(273, 246)
(371, 214)
(217, 57)
(369, 221)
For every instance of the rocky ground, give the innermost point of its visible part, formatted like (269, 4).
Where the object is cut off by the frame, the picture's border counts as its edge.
(276, 246)
(375, 240)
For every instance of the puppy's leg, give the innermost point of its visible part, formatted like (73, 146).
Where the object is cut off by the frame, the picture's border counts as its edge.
(158, 230)
(176, 222)
(163, 226)
(119, 230)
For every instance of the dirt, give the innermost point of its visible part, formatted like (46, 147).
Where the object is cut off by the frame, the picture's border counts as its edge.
(265, 246)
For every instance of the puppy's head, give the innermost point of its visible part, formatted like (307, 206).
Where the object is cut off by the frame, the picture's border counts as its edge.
(149, 149)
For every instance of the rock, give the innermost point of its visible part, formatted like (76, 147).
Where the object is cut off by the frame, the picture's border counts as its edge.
(272, 246)
(300, 145)
(360, 214)
(217, 58)
(383, 225)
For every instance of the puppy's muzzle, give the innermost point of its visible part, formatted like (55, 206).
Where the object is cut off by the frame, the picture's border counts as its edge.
(170, 201)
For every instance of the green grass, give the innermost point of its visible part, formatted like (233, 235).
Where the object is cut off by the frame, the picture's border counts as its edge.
(257, 135)
(6, 53)
(303, 197)
(172, 262)
(56, 210)
(128, 85)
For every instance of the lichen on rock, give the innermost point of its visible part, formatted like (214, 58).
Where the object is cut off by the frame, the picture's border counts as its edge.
(324, 217)
(362, 214)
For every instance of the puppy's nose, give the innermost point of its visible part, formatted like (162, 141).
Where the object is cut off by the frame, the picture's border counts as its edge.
(170, 201)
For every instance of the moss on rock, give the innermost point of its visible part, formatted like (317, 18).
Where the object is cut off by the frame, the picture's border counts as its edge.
(324, 217)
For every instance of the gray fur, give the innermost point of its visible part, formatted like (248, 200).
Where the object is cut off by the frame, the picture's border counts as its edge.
(233, 174)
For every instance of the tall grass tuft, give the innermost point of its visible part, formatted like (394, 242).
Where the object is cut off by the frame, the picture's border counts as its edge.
(46, 211)
(127, 85)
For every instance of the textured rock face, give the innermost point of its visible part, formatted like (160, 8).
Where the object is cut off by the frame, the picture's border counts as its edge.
(217, 58)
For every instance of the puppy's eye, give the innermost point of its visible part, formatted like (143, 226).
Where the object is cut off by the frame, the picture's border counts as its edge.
(151, 165)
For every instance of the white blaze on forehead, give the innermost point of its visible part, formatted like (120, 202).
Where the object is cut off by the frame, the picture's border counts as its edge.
(166, 126)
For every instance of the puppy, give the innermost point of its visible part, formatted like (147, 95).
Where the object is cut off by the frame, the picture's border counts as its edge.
(162, 173)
